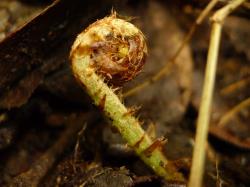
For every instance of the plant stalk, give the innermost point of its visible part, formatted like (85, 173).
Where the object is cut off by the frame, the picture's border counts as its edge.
(127, 125)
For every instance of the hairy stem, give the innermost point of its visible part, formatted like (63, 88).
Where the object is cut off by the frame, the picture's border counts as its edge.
(127, 125)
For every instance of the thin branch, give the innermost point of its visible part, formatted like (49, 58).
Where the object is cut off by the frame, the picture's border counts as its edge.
(235, 86)
(197, 168)
(231, 113)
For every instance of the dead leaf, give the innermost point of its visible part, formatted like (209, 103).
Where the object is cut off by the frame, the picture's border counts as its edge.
(42, 45)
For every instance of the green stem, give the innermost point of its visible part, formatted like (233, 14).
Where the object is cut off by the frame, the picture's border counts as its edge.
(127, 125)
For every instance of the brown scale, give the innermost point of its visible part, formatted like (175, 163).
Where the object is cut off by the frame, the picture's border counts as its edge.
(158, 143)
(137, 144)
(102, 103)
